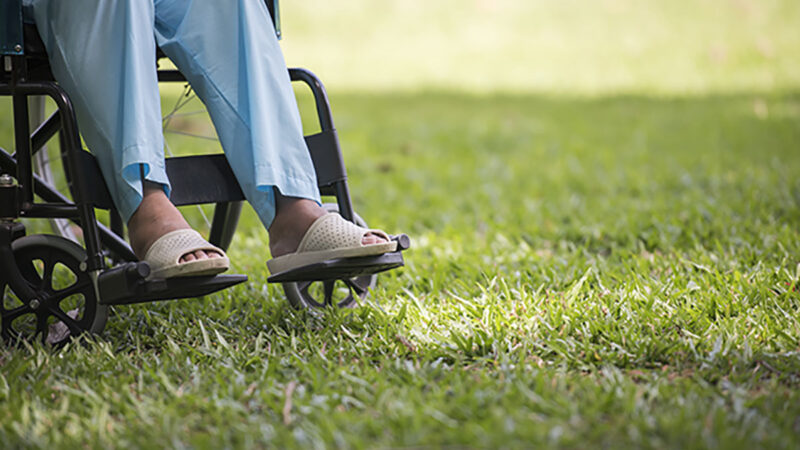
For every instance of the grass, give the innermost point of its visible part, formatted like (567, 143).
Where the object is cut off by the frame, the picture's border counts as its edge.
(615, 272)
(598, 269)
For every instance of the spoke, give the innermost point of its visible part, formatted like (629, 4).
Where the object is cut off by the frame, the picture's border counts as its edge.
(41, 327)
(29, 273)
(72, 324)
(66, 292)
(169, 149)
(47, 275)
(199, 207)
(184, 99)
(353, 284)
(198, 136)
(12, 314)
(3, 294)
(188, 113)
(203, 215)
(328, 289)
(187, 96)
(304, 286)
(347, 301)
(165, 121)
(44, 161)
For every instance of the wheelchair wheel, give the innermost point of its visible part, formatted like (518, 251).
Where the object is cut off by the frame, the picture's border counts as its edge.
(65, 304)
(341, 293)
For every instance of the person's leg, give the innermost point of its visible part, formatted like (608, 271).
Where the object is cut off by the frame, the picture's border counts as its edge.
(103, 55)
(229, 53)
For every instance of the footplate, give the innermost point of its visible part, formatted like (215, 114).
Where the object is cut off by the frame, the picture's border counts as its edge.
(337, 269)
(126, 284)
(344, 268)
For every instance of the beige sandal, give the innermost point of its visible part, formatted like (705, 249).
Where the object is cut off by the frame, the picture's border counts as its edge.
(165, 254)
(331, 237)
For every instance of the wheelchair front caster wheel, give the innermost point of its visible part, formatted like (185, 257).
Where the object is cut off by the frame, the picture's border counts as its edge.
(343, 293)
(65, 304)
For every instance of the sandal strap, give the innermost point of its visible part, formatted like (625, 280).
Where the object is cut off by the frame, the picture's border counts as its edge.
(169, 248)
(333, 231)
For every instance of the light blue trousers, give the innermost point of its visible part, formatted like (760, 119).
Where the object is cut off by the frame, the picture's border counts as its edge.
(102, 53)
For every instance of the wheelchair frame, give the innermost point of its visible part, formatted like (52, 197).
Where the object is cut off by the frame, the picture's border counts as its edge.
(25, 73)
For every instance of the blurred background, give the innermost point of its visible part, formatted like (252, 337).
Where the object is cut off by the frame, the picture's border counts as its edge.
(565, 46)
(539, 108)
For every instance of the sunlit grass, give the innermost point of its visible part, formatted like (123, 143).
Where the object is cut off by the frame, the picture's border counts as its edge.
(620, 271)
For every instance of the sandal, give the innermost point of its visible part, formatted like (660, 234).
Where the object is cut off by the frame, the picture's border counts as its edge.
(165, 254)
(331, 237)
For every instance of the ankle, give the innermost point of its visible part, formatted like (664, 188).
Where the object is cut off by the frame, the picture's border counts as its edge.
(154, 217)
(292, 219)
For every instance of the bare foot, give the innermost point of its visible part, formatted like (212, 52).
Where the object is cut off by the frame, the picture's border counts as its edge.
(155, 217)
(292, 219)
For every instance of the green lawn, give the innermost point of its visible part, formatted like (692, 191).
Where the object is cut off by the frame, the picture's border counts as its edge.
(607, 268)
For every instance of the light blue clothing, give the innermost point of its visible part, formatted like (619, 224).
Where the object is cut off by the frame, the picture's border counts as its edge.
(102, 53)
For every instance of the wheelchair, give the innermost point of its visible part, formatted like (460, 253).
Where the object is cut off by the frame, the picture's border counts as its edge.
(56, 289)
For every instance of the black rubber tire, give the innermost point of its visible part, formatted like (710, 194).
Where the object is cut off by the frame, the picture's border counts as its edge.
(317, 294)
(88, 317)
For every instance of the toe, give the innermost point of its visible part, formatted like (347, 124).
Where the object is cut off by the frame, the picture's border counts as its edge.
(371, 239)
(199, 255)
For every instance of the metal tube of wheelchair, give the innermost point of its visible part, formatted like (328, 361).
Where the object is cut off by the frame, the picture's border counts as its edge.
(23, 147)
(51, 210)
(320, 95)
(115, 222)
(109, 239)
(69, 128)
(223, 225)
(171, 75)
(45, 131)
(343, 199)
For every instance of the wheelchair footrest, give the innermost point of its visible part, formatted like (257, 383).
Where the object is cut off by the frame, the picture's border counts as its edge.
(337, 269)
(126, 284)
